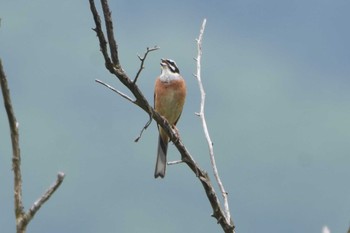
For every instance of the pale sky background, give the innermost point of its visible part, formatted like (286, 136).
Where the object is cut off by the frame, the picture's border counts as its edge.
(276, 74)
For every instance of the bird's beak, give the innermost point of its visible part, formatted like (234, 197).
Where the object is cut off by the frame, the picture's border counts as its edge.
(163, 62)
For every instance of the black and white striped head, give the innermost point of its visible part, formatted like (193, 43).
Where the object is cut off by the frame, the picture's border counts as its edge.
(169, 65)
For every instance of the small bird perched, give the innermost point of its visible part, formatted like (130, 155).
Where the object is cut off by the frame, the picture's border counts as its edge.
(169, 99)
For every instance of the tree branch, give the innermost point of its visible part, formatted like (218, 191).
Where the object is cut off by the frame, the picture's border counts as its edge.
(142, 59)
(22, 218)
(113, 47)
(204, 124)
(16, 156)
(115, 90)
(27, 217)
(141, 101)
(174, 162)
(144, 128)
(99, 32)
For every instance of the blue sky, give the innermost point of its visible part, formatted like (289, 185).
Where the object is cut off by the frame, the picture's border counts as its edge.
(276, 75)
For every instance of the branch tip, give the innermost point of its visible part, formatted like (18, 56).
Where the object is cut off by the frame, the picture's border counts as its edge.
(116, 91)
(142, 59)
(144, 128)
(60, 175)
(175, 162)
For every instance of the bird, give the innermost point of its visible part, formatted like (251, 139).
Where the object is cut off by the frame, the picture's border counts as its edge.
(169, 99)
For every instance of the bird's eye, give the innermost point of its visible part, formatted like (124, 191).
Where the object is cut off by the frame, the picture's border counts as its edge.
(172, 66)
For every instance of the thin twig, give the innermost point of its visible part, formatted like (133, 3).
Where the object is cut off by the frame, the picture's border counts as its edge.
(129, 99)
(142, 59)
(144, 128)
(37, 204)
(115, 90)
(22, 218)
(204, 123)
(175, 162)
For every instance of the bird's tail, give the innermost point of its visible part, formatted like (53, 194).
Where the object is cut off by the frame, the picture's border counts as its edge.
(161, 157)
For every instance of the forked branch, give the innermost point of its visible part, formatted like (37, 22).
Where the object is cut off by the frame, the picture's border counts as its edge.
(143, 59)
(22, 218)
(116, 69)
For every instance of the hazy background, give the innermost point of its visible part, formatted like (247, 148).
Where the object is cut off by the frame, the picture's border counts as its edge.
(276, 74)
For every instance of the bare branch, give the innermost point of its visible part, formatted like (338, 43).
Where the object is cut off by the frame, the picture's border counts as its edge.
(142, 59)
(141, 101)
(16, 156)
(115, 90)
(113, 47)
(144, 128)
(22, 218)
(129, 99)
(174, 162)
(115, 68)
(37, 204)
(99, 32)
(204, 124)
